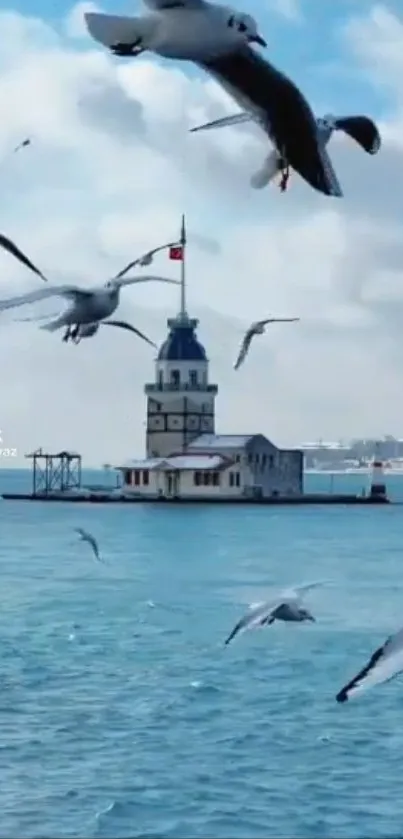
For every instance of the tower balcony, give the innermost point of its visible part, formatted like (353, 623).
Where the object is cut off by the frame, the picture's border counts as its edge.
(170, 387)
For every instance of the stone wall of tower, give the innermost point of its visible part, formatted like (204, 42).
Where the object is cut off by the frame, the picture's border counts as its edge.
(180, 406)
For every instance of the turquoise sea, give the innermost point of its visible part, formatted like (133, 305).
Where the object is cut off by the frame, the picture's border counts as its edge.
(122, 713)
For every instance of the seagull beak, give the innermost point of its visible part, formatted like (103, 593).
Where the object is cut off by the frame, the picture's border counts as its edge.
(257, 39)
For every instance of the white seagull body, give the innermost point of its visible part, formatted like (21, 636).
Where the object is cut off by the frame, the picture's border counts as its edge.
(87, 537)
(362, 129)
(89, 306)
(218, 39)
(286, 607)
(257, 328)
(187, 30)
(385, 663)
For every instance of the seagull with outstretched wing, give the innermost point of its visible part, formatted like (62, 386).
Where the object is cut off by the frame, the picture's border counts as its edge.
(287, 606)
(257, 328)
(219, 40)
(88, 306)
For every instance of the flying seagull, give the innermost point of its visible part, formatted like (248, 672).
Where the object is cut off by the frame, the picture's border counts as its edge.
(219, 41)
(385, 663)
(90, 329)
(286, 607)
(186, 30)
(89, 306)
(362, 129)
(257, 328)
(87, 537)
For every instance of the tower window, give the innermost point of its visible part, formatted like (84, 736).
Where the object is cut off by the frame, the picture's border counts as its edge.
(231, 479)
(175, 378)
(237, 479)
(160, 378)
(193, 378)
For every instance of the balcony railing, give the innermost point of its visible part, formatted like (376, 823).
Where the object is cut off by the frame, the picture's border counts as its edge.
(158, 388)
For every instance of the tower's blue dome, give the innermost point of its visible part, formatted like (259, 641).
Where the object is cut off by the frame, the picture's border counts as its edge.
(182, 344)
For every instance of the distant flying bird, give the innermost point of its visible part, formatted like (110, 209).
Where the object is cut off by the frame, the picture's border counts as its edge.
(257, 328)
(385, 663)
(89, 306)
(87, 537)
(218, 40)
(362, 129)
(90, 329)
(286, 607)
(23, 145)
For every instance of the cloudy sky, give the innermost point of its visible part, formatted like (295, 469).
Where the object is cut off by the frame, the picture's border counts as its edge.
(110, 169)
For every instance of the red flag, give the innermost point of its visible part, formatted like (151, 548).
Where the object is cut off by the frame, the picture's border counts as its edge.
(176, 252)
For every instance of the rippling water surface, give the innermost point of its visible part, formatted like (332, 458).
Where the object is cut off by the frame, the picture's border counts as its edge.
(122, 714)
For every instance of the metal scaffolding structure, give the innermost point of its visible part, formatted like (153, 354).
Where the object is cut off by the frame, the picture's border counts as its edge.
(53, 473)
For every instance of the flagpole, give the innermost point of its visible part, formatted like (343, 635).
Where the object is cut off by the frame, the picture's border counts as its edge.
(183, 268)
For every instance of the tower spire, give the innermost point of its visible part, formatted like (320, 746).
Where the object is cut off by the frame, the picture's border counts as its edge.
(183, 268)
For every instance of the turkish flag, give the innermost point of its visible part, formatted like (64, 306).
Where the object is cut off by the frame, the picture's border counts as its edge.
(176, 252)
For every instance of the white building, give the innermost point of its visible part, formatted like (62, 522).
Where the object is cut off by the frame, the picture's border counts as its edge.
(185, 458)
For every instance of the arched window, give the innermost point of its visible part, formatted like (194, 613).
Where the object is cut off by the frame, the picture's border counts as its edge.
(175, 378)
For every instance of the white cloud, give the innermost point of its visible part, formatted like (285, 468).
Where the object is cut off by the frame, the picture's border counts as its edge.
(109, 172)
(289, 9)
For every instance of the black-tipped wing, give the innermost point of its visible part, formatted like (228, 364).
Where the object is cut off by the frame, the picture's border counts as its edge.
(123, 325)
(258, 615)
(88, 537)
(361, 129)
(277, 320)
(160, 5)
(385, 663)
(260, 87)
(243, 352)
(9, 246)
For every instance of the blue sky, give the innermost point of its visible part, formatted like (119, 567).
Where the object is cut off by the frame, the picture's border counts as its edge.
(110, 170)
(312, 49)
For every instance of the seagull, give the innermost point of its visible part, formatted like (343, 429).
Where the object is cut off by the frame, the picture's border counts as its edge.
(257, 328)
(90, 329)
(385, 663)
(186, 30)
(286, 607)
(362, 129)
(89, 306)
(220, 41)
(87, 537)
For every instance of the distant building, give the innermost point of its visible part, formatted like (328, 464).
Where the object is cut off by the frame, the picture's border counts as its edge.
(185, 457)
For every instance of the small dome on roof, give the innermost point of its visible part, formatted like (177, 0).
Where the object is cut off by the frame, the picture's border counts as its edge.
(181, 343)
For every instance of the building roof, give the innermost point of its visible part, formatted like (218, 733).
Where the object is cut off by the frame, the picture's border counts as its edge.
(221, 441)
(181, 343)
(180, 461)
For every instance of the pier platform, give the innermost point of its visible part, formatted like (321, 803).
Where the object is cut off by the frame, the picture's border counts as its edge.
(118, 498)
(57, 478)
